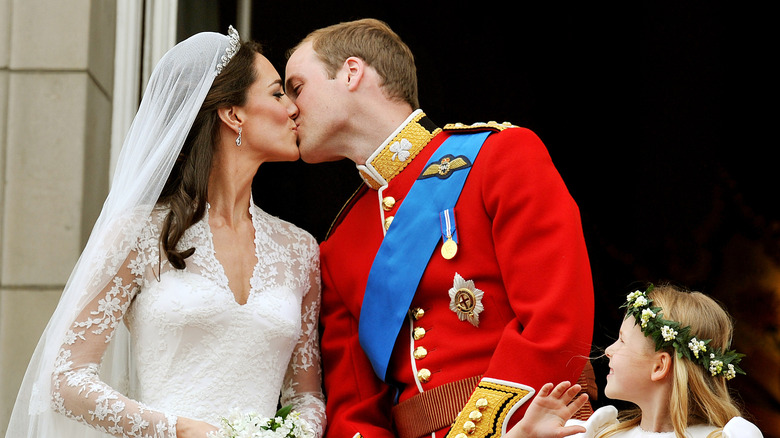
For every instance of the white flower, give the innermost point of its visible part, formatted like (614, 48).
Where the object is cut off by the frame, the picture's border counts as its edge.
(731, 372)
(634, 295)
(238, 425)
(400, 150)
(696, 346)
(716, 367)
(668, 333)
(647, 314)
(640, 302)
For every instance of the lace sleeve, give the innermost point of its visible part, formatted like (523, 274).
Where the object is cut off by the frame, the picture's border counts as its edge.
(303, 382)
(77, 390)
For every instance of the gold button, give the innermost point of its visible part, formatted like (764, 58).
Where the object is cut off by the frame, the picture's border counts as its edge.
(469, 427)
(424, 375)
(418, 313)
(482, 404)
(388, 221)
(388, 202)
(418, 333)
(420, 353)
(475, 416)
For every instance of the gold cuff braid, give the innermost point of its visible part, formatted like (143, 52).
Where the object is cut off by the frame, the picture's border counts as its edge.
(487, 409)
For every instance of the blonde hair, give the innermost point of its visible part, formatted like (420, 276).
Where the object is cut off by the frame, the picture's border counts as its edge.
(697, 397)
(375, 43)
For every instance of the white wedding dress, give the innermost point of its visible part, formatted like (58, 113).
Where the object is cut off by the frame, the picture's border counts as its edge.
(196, 352)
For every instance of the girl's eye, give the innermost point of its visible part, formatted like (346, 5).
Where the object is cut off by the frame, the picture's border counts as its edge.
(278, 94)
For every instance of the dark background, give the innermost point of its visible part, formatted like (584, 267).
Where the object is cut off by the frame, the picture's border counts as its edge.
(651, 112)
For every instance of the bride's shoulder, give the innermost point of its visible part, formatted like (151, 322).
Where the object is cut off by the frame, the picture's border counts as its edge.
(132, 221)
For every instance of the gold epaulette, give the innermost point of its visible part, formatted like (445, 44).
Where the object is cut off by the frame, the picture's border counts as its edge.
(488, 408)
(481, 126)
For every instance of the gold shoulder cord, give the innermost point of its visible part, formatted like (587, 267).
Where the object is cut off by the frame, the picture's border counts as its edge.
(481, 126)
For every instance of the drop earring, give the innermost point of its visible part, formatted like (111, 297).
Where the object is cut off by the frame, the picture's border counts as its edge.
(238, 139)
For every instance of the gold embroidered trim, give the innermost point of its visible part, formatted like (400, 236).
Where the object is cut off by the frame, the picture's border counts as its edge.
(370, 181)
(485, 413)
(401, 150)
(481, 126)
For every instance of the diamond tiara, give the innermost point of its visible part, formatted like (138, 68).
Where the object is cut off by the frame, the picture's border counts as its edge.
(233, 43)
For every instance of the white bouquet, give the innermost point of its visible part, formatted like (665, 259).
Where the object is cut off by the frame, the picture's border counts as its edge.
(285, 424)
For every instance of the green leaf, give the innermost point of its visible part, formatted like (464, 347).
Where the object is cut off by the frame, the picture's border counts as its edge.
(284, 412)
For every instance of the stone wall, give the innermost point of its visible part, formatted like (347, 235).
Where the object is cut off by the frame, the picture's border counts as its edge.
(56, 80)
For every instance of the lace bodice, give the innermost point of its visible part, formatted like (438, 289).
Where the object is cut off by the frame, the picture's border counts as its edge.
(197, 352)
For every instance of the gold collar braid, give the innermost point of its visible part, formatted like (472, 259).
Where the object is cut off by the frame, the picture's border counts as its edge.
(398, 150)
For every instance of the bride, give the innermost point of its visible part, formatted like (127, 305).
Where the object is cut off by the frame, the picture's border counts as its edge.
(219, 299)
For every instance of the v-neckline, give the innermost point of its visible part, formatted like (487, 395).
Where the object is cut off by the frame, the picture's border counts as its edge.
(224, 280)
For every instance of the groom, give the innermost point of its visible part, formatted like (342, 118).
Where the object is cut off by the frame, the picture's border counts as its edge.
(456, 281)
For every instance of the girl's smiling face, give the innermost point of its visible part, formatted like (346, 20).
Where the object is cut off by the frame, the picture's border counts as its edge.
(631, 361)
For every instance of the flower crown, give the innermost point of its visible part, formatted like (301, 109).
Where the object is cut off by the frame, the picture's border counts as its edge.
(233, 42)
(668, 333)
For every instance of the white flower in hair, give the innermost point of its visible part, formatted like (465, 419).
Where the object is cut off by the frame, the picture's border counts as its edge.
(634, 295)
(647, 314)
(716, 366)
(640, 301)
(668, 333)
(731, 373)
(696, 346)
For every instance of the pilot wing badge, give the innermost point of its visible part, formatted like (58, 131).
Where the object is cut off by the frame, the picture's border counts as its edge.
(444, 168)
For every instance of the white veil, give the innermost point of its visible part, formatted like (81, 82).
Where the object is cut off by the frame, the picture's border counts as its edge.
(173, 97)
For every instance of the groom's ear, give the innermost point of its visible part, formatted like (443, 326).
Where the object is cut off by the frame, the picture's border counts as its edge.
(354, 69)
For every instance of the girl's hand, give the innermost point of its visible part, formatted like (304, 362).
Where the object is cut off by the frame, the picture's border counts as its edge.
(547, 414)
(189, 428)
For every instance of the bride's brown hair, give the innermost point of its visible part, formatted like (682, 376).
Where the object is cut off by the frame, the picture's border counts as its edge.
(186, 190)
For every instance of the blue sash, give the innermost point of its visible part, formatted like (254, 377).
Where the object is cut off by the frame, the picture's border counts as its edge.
(409, 244)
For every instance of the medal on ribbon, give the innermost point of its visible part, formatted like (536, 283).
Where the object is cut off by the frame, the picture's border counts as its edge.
(449, 234)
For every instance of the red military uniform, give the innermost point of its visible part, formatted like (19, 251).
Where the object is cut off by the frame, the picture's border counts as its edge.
(526, 317)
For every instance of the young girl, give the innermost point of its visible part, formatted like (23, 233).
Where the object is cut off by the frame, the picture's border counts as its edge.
(671, 360)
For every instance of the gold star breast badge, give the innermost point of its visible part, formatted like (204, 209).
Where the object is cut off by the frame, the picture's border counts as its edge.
(466, 300)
